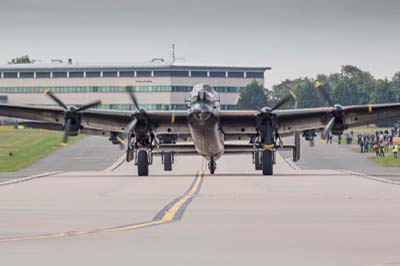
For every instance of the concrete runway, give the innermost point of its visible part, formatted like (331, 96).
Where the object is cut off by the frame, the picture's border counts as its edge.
(237, 217)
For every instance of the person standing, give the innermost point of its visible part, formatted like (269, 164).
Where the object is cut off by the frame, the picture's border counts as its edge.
(382, 150)
(395, 151)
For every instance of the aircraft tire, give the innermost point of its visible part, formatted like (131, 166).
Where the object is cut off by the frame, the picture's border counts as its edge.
(257, 160)
(143, 163)
(267, 162)
(212, 166)
(167, 161)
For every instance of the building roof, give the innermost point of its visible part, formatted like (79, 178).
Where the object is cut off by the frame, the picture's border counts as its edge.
(157, 64)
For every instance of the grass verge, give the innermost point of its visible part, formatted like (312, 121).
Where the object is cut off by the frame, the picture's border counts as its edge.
(387, 161)
(27, 146)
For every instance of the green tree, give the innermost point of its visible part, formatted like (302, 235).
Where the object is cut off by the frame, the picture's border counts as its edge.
(253, 97)
(21, 60)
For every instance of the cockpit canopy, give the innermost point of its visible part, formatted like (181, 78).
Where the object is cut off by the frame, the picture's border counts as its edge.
(204, 93)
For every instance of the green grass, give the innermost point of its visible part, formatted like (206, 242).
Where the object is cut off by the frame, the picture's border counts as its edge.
(387, 161)
(28, 146)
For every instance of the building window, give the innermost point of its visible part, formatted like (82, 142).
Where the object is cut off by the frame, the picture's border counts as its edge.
(93, 74)
(10, 75)
(219, 74)
(110, 74)
(235, 74)
(76, 74)
(59, 74)
(179, 73)
(143, 73)
(160, 73)
(126, 74)
(256, 75)
(42, 74)
(26, 75)
(199, 74)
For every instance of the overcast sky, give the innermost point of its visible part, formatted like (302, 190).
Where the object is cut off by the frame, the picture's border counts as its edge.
(295, 38)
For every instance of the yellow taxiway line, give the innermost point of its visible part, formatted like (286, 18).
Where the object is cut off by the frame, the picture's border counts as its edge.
(169, 216)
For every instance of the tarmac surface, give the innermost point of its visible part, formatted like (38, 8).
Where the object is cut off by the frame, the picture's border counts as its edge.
(88, 154)
(188, 217)
(341, 157)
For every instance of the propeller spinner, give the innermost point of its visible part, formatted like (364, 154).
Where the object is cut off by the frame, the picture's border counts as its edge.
(72, 116)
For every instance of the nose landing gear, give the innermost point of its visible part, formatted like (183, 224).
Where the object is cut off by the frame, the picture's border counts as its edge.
(212, 165)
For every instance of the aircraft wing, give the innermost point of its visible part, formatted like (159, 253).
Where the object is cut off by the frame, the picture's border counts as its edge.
(289, 121)
(172, 122)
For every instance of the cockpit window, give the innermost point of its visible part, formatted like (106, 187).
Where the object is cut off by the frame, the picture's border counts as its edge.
(202, 92)
(208, 88)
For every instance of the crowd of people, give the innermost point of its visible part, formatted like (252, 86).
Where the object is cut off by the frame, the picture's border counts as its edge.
(380, 142)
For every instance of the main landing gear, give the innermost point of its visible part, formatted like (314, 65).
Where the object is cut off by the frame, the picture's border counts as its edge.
(267, 162)
(143, 163)
(264, 160)
(212, 165)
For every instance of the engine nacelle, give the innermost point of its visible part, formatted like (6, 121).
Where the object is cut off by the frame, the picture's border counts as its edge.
(309, 134)
(338, 128)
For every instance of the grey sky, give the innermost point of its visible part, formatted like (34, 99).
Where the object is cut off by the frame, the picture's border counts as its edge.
(295, 38)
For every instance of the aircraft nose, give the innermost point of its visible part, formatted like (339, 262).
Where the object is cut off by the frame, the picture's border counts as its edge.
(201, 111)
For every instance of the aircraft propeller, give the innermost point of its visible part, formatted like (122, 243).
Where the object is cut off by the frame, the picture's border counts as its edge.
(72, 116)
(284, 100)
(337, 111)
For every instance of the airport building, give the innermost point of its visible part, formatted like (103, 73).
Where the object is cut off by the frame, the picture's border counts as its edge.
(158, 85)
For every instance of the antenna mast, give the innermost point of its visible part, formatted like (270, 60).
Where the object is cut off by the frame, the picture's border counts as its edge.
(173, 52)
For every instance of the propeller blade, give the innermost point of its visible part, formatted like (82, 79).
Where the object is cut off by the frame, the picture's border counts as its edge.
(328, 128)
(89, 105)
(324, 93)
(285, 100)
(129, 130)
(121, 142)
(56, 99)
(67, 129)
(129, 90)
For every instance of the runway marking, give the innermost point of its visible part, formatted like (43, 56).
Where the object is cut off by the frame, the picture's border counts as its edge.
(116, 164)
(24, 179)
(292, 164)
(375, 178)
(178, 205)
(170, 213)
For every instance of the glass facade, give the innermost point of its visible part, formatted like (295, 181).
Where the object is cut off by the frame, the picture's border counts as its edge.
(83, 89)
(132, 73)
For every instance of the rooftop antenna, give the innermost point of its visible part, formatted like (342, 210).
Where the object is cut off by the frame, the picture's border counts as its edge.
(174, 58)
(173, 52)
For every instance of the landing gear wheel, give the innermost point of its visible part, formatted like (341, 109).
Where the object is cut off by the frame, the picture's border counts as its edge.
(212, 165)
(167, 161)
(257, 160)
(267, 162)
(129, 155)
(143, 163)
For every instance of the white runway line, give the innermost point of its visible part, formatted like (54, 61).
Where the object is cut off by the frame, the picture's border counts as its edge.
(292, 164)
(383, 180)
(24, 179)
(116, 164)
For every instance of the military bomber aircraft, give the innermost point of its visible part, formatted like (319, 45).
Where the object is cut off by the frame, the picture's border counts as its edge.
(204, 129)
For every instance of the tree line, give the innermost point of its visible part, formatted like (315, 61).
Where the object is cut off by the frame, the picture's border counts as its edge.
(352, 86)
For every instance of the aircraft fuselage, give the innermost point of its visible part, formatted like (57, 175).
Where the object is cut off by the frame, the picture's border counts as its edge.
(204, 122)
